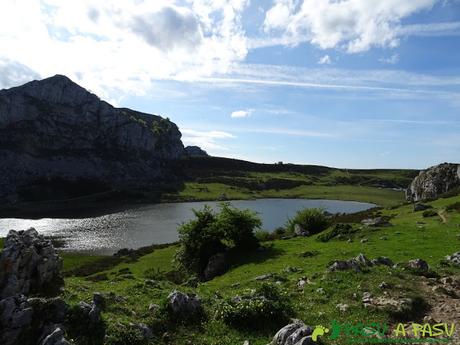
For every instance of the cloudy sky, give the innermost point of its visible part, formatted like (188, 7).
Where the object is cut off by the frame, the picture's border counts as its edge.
(346, 83)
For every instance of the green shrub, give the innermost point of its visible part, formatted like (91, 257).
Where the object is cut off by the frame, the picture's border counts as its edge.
(261, 308)
(339, 231)
(312, 220)
(429, 213)
(125, 335)
(211, 233)
(264, 236)
(80, 328)
(453, 207)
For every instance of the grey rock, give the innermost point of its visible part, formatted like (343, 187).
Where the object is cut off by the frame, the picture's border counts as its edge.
(183, 304)
(16, 316)
(295, 333)
(53, 129)
(299, 231)
(454, 259)
(217, 265)
(195, 151)
(421, 207)
(358, 264)
(418, 265)
(375, 222)
(29, 264)
(382, 260)
(434, 181)
(264, 277)
(56, 337)
(145, 330)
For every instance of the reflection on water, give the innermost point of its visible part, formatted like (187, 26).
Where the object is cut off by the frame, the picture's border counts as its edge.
(157, 223)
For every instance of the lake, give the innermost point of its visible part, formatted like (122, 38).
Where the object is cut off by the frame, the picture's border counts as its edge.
(157, 223)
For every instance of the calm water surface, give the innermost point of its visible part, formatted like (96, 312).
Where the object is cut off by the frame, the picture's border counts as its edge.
(157, 223)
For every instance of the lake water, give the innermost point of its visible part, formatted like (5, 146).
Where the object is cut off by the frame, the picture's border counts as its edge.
(157, 223)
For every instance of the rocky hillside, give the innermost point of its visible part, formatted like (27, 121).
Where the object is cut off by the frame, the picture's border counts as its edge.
(55, 135)
(433, 182)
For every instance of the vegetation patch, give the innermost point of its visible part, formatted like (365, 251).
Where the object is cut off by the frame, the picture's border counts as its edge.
(339, 231)
(257, 309)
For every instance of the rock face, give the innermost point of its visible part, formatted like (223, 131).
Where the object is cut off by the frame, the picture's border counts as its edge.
(431, 183)
(29, 264)
(296, 333)
(56, 135)
(195, 151)
(217, 265)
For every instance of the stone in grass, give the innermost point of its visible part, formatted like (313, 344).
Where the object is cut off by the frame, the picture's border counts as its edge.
(295, 333)
(418, 265)
(184, 305)
(454, 259)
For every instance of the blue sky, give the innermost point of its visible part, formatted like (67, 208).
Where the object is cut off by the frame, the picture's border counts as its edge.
(351, 83)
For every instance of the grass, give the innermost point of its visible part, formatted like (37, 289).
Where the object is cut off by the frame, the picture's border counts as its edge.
(195, 191)
(411, 236)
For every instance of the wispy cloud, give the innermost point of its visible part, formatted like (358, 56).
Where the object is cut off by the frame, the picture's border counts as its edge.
(325, 60)
(241, 113)
(207, 140)
(391, 60)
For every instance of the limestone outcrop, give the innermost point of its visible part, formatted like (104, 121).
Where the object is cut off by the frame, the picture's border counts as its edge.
(57, 137)
(433, 182)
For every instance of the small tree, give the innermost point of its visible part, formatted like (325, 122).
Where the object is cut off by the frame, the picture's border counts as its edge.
(211, 233)
(312, 220)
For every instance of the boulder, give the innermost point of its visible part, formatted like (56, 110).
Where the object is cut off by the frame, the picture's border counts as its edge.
(299, 231)
(454, 259)
(29, 264)
(418, 265)
(357, 263)
(376, 222)
(217, 265)
(56, 337)
(421, 207)
(16, 316)
(295, 333)
(433, 182)
(382, 260)
(184, 305)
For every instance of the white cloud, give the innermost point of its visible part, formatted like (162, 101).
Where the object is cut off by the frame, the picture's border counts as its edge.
(325, 60)
(354, 25)
(207, 140)
(14, 74)
(241, 113)
(123, 45)
(392, 60)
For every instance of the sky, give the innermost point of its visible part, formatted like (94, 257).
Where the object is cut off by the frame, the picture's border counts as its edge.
(342, 83)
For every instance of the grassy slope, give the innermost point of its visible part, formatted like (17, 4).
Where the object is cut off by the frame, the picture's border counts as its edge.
(212, 178)
(405, 240)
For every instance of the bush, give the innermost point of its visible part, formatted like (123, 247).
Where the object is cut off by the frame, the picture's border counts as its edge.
(80, 328)
(312, 220)
(339, 231)
(125, 335)
(429, 213)
(211, 233)
(453, 207)
(261, 308)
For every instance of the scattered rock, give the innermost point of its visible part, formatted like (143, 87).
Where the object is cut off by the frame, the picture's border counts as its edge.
(184, 305)
(382, 260)
(384, 286)
(454, 259)
(358, 264)
(29, 264)
(376, 222)
(299, 231)
(431, 183)
(364, 240)
(153, 307)
(246, 342)
(56, 337)
(421, 207)
(296, 333)
(367, 299)
(217, 265)
(264, 276)
(418, 265)
(144, 330)
(342, 307)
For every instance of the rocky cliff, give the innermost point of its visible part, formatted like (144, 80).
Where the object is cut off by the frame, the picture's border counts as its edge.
(54, 133)
(433, 182)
